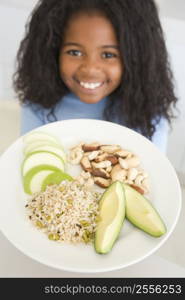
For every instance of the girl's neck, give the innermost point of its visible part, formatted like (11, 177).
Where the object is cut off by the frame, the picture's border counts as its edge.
(72, 97)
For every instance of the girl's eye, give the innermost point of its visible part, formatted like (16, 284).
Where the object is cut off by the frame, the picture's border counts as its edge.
(74, 52)
(109, 55)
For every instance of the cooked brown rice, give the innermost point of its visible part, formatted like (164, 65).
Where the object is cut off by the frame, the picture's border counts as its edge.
(65, 212)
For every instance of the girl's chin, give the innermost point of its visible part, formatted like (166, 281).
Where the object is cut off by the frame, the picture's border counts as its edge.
(89, 99)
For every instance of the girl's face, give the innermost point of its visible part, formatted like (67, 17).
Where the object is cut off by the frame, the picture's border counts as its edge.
(90, 63)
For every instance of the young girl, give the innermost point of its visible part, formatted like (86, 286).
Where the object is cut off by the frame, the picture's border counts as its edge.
(96, 59)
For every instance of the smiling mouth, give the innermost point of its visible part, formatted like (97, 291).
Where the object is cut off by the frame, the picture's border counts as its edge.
(90, 85)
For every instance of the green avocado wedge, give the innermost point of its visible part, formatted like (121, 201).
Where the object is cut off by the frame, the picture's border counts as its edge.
(141, 213)
(112, 215)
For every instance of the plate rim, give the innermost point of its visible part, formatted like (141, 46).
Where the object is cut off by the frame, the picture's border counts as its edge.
(124, 265)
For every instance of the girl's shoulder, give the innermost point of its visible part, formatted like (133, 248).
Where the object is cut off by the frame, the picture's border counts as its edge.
(160, 136)
(32, 116)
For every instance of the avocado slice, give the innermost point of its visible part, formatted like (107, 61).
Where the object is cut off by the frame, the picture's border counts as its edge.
(112, 215)
(141, 213)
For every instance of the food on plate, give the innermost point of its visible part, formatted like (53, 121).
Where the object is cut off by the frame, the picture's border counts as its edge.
(71, 212)
(43, 158)
(109, 163)
(41, 141)
(65, 212)
(55, 178)
(38, 135)
(70, 209)
(45, 146)
(141, 213)
(33, 179)
(111, 215)
(44, 162)
(37, 178)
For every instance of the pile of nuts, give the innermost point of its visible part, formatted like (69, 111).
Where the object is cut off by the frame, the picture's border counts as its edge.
(104, 164)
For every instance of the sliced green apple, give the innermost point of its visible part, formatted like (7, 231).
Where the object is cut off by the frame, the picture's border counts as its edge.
(34, 178)
(30, 147)
(55, 178)
(54, 148)
(39, 136)
(141, 213)
(42, 158)
(39, 177)
(32, 172)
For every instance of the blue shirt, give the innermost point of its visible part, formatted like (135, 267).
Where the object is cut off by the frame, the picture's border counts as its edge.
(71, 107)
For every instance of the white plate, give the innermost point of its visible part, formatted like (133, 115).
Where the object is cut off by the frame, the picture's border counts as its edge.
(133, 244)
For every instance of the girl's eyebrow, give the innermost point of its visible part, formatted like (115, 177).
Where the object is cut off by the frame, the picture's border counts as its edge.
(79, 45)
(71, 44)
(110, 46)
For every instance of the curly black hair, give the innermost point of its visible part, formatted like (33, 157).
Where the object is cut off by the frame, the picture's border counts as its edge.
(146, 92)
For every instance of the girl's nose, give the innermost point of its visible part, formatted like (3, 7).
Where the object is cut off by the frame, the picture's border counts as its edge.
(90, 65)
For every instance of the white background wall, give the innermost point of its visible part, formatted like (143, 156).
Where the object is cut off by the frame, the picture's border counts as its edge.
(171, 8)
(13, 16)
(12, 20)
(175, 40)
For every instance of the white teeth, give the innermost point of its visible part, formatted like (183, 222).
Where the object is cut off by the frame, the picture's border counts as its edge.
(90, 85)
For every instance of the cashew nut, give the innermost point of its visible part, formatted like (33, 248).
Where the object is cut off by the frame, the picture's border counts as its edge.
(76, 156)
(102, 164)
(118, 173)
(79, 145)
(132, 174)
(123, 163)
(92, 155)
(123, 153)
(138, 180)
(110, 148)
(133, 161)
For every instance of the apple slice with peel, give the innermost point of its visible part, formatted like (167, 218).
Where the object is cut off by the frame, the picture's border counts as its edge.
(54, 148)
(30, 147)
(42, 158)
(33, 184)
(55, 178)
(34, 171)
(141, 213)
(39, 136)
(39, 177)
